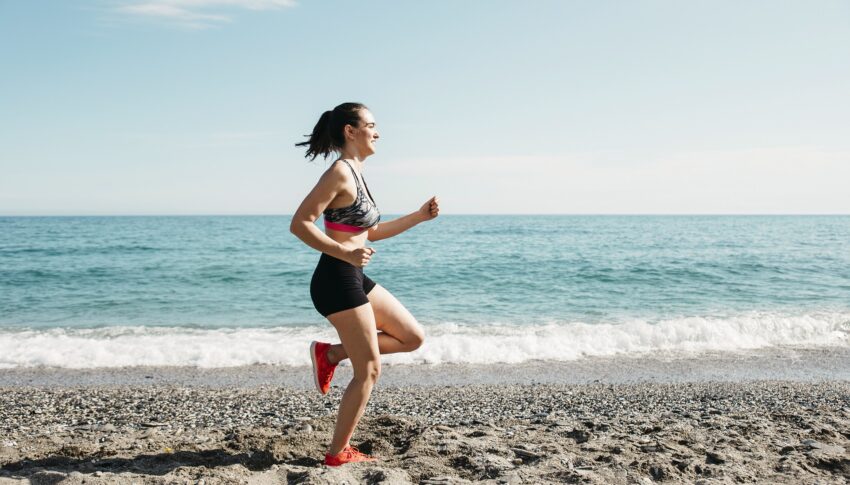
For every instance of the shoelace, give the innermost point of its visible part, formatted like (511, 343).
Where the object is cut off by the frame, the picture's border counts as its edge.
(352, 451)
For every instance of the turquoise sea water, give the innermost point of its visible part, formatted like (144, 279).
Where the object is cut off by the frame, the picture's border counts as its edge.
(663, 282)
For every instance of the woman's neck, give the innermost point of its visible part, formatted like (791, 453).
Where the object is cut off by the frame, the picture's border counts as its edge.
(356, 161)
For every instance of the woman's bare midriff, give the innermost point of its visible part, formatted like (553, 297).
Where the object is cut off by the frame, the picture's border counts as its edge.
(348, 239)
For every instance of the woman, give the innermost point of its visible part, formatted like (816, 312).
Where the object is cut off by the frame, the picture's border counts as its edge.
(368, 319)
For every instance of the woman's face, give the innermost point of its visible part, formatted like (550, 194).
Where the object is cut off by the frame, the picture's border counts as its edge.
(365, 135)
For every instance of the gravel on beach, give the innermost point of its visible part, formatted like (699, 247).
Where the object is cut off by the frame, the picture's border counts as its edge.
(764, 431)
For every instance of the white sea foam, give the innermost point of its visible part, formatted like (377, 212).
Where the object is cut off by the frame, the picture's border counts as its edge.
(445, 342)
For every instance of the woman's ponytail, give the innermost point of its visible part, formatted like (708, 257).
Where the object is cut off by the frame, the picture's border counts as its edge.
(327, 135)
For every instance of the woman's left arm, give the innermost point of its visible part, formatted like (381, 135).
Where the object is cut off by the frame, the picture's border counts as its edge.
(384, 230)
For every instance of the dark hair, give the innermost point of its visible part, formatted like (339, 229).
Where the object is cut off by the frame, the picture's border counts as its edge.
(327, 135)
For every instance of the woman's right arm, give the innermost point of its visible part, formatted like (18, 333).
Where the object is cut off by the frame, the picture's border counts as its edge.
(303, 221)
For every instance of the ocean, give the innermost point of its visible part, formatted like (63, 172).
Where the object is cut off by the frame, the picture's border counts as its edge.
(221, 291)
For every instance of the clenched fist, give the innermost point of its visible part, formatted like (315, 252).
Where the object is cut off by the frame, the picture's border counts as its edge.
(430, 209)
(360, 257)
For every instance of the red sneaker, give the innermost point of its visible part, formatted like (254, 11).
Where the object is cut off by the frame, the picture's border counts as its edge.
(323, 370)
(349, 454)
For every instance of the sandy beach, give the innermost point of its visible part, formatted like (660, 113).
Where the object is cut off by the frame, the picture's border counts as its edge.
(778, 416)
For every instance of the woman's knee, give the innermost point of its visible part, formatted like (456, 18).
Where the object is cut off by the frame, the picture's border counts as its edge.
(415, 340)
(368, 372)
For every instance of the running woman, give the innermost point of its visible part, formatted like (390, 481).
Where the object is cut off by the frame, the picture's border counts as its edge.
(368, 319)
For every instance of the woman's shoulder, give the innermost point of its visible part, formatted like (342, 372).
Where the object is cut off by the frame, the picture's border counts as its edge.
(340, 165)
(338, 170)
(342, 162)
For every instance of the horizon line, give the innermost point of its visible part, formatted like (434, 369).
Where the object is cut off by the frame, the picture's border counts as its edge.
(578, 214)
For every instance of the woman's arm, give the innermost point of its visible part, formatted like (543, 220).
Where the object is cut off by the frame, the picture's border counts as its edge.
(303, 221)
(394, 227)
(383, 230)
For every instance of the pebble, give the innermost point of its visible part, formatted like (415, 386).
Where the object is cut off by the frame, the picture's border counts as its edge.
(526, 455)
(658, 473)
(579, 435)
(511, 478)
(715, 457)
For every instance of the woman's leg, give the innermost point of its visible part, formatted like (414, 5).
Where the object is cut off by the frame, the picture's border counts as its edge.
(356, 329)
(400, 332)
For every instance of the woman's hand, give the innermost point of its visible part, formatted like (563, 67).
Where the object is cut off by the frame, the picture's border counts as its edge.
(360, 257)
(430, 209)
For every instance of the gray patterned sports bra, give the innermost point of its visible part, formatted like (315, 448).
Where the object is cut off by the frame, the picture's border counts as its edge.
(359, 216)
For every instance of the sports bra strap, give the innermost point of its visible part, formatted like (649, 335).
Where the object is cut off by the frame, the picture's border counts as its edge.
(353, 172)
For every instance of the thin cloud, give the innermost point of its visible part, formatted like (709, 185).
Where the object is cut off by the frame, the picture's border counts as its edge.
(196, 14)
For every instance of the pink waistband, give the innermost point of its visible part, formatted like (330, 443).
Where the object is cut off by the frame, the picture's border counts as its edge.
(343, 227)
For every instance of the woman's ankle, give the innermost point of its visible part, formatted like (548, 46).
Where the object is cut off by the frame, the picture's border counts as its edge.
(331, 450)
(334, 356)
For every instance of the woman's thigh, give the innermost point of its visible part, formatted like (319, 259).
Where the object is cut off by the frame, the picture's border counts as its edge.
(392, 317)
(359, 336)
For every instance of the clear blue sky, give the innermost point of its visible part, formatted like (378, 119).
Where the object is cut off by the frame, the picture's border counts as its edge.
(193, 106)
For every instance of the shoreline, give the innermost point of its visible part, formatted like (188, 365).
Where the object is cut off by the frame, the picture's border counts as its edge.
(776, 363)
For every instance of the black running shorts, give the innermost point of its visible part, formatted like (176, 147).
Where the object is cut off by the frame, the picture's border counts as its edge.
(338, 285)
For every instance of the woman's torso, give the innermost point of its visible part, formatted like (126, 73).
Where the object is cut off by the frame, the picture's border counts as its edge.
(347, 239)
(354, 192)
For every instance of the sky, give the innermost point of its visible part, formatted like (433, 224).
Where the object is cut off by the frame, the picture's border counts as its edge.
(149, 107)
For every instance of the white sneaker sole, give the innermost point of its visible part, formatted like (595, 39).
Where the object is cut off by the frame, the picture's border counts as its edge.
(315, 367)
